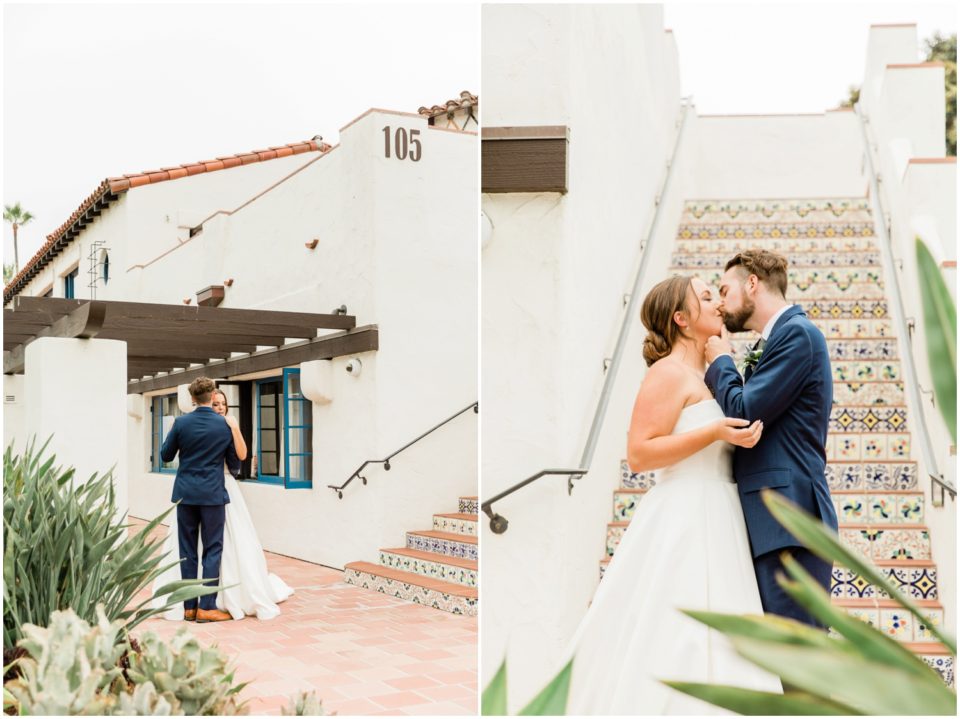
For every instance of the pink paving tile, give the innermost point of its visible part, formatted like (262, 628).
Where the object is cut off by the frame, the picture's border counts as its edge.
(348, 644)
(395, 700)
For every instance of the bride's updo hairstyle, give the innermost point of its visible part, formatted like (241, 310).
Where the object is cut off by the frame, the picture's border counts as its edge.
(659, 306)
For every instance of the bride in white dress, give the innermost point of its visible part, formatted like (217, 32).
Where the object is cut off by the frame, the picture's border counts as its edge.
(686, 546)
(255, 592)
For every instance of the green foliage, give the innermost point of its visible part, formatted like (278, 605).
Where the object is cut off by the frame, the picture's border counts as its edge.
(8, 272)
(66, 547)
(17, 217)
(551, 701)
(304, 704)
(861, 671)
(74, 669)
(943, 49)
(940, 330)
(198, 678)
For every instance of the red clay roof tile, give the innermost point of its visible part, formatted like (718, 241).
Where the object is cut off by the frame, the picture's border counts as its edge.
(106, 191)
(466, 100)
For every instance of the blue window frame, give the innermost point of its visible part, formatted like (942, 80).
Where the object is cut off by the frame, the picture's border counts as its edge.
(105, 268)
(70, 283)
(284, 432)
(164, 410)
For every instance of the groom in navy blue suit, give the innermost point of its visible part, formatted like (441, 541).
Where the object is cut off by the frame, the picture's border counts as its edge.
(203, 441)
(789, 386)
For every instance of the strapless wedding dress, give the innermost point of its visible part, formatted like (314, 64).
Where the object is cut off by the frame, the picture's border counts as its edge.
(256, 591)
(686, 548)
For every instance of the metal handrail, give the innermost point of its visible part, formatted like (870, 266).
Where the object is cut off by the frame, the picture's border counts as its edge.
(497, 523)
(475, 406)
(929, 458)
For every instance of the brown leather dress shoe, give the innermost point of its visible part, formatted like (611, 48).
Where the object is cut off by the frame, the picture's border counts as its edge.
(189, 615)
(212, 615)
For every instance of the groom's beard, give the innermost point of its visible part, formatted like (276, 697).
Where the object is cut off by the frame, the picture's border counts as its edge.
(736, 321)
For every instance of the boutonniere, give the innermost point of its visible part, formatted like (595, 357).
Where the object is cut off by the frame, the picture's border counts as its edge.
(753, 356)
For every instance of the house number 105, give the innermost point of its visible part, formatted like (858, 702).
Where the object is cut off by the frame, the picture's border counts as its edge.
(405, 143)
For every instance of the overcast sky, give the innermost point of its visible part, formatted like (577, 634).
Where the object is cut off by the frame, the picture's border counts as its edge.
(92, 91)
(778, 57)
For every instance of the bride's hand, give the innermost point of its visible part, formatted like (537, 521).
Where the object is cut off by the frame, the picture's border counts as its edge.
(736, 431)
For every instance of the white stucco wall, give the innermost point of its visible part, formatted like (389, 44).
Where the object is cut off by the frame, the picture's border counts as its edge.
(555, 269)
(397, 247)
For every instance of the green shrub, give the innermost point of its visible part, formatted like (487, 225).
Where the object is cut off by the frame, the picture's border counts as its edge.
(65, 547)
(74, 669)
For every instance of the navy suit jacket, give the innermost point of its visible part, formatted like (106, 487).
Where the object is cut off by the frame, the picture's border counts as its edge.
(203, 440)
(791, 391)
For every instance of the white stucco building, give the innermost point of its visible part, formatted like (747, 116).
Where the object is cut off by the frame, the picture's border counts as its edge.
(380, 227)
(561, 251)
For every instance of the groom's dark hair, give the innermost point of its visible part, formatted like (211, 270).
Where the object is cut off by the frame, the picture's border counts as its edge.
(769, 267)
(201, 389)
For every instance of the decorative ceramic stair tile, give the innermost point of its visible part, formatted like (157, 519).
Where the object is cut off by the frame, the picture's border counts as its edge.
(469, 505)
(437, 568)
(453, 545)
(877, 542)
(835, 275)
(883, 507)
(625, 502)
(460, 523)
(447, 596)
(893, 620)
(430, 564)
(915, 578)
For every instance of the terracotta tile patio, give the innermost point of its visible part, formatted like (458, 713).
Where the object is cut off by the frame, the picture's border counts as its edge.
(362, 651)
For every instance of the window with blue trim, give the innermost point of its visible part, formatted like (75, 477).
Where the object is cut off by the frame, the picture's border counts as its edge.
(70, 283)
(164, 411)
(284, 434)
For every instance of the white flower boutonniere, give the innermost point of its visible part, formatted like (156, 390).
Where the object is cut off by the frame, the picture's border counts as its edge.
(753, 356)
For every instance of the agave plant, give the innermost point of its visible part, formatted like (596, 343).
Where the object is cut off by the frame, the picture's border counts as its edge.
(64, 547)
(304, 704)
(940, 323)
(861, 671)
(551, 701)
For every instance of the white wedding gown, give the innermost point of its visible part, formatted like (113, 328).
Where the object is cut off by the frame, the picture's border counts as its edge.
(686, 548)
(256, 592)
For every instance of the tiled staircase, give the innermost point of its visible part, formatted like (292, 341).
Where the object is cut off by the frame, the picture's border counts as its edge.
(836, 276)
(437, 567)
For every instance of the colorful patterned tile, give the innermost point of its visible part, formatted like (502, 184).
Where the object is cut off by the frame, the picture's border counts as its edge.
(897, 624)
(839, 582)
(881, 509)
(883, 350)
(636, 480)
(412, 593)
(869, 393)
(844, 309)
(835, 290)
(452, 548)
(685, 262)
(859, 540)
(624, 504)
(865, 614)
(861, 371)
(851, 508)
(853, 210)
(868, 419)
(427, 568)
(932, 617)
(469, 505)
(900, 543)
(614, 535)
(455, 525)
(910, 508)
(916, 582)
(874, 476)
(943, 664)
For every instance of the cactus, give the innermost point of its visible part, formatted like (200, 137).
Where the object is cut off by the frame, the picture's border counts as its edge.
(198, 677)
(304, 704)
(72, 668)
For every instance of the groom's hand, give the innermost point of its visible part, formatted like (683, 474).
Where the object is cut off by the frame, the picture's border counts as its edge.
(717, 346)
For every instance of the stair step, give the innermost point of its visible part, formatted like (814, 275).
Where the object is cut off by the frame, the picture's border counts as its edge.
(431, 564)
(854, 370)
(684, 263)
(868, 447)
(636, 480)
(625, 502)
(869, 476)
(888, 507)
(869, 393)
(853, 209)
(862, 420)
(879, 542)
(417, 588)
(469, 505)
(448, 543)
(615, 531)
(456, 523)
(724, 241)
(916, 578)
(893, 620)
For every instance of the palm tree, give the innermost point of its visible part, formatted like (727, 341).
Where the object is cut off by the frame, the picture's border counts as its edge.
(18, 218)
